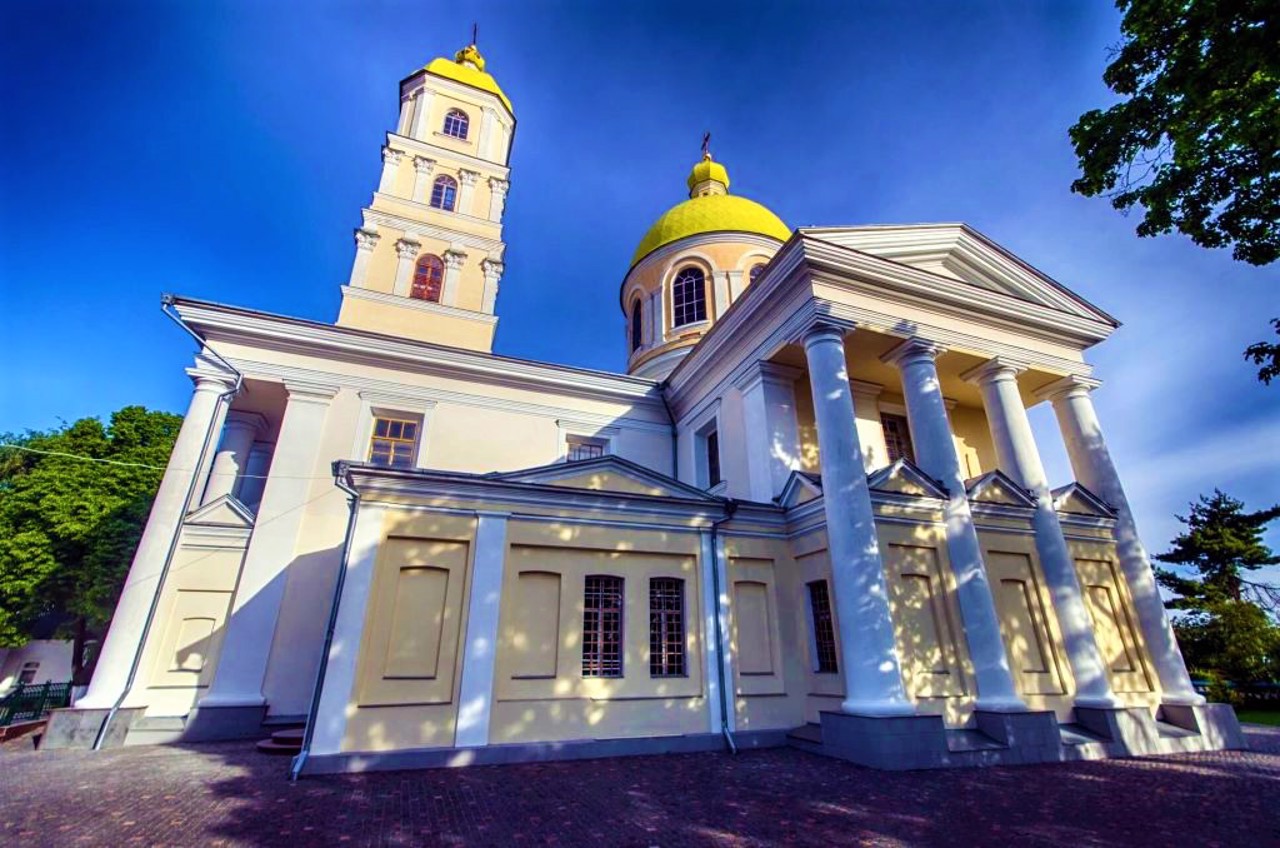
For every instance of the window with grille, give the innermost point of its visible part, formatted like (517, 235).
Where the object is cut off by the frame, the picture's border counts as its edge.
(666, 627)
(689, 297)
(394, 442)
(824, 632)
(444, 193)
(456, 123)
(756, 271)
(28, 673)
(897, 437)
(602, 627)
(581, 447)
(637, 327)
(428, 278)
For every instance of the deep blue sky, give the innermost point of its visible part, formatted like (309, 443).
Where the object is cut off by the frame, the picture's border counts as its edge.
(223, 150)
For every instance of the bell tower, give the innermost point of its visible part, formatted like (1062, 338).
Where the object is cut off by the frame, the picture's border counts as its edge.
(429, 250)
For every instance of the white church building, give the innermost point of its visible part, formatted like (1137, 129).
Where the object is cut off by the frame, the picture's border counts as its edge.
(812, 511)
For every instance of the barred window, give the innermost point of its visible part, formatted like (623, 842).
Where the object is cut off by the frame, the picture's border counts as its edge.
(581, 447)
(444, 193)
(824, 633)
(428, 278)
(666, 627)
(897, 437)
(689, 297)
(602, 627)
(394, 442)
(28, 673)
(456, 123)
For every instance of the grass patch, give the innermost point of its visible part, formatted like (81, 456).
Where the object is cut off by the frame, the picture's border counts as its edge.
(1259, 716)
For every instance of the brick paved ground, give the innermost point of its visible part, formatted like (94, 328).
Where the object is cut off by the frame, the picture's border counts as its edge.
(227, 794)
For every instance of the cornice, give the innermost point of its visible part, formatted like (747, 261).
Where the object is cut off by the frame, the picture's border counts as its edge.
(420, 305)
(388, 218)
(408, 86)
(435, 151)
(328, 341)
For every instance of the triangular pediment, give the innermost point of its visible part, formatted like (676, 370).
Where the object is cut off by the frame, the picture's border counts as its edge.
(996, 487)
(959, 252)
(606, 474)
(904, 478)
(800, 488)
(1078, 500)
(226, 511)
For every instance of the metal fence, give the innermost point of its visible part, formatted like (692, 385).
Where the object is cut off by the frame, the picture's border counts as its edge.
(33, 700)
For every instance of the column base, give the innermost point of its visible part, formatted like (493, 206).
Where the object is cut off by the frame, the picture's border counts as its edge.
(213, 723)
(1001, 705)
(901, 743)
(877, 708)
(75, 727)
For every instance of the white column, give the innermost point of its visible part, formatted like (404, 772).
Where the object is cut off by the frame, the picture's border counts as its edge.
(736, 279)
(488, 123)
(1095, 470)
(238, 435)
(467, 191)
(658, 326)
(453, 260)
(772, 435)
(492, 275)
(422, 168)
(406, 253)
(338, 695)
(935, 452)
(143, 582)
(475, 693)
(366, 241)
(246, 645)
(1018, 456)
(390, 167)
(646, 323)
(406, 115)
(720, 285)
(497, 198)
(715, 612)
(872, 674)
(422, 115)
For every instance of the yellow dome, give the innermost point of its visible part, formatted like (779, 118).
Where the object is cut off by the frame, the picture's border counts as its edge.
(472, 74)
(710, 213)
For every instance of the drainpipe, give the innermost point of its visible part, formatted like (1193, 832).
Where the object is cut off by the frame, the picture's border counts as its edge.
(353, 499)
(730, 507)
(166, 306)
(675, 439)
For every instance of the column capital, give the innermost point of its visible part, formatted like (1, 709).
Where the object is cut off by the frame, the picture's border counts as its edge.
(366, 239)
(407, 249)
(492, 268)
(423, 165)
(823, 330)
(468, 178)
(306, 392)
(498, 185)
(993, 370)
(1073, 385)
(391, 156)
(453, 259)
(206, 380)
(913, 349)
(767, 373)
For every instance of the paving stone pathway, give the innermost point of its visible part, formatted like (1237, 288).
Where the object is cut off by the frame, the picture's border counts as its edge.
(227, 794)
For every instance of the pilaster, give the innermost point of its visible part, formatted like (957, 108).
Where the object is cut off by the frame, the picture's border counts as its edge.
(492, 275)
(475, 693)
(772, 434)
(366, 241)
(453, 262)
(406, 254)
(422, 168)
(390, 167)
(467, 191)
(497, 198)
(422, 115)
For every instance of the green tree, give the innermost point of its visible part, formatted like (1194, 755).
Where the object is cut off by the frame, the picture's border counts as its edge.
(1195, 139)
(1227, 629)
(1266, 355)
(69, 525)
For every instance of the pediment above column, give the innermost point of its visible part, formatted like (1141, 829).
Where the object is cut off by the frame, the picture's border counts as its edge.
(904, 478)
(1077, 500)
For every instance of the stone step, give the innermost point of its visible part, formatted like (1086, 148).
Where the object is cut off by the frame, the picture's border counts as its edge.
(289, 736)
(807, 733)
(271, 746)
(1172, 731)
(1076, 734)
(959, 741)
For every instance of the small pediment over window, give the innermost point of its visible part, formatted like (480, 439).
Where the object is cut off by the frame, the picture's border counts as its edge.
(1078, 500)
(800, 488)
(996, 487)
(226, 511)
(904, 478)
(606, 474)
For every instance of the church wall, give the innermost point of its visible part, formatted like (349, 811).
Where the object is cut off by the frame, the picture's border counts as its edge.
(409, 323)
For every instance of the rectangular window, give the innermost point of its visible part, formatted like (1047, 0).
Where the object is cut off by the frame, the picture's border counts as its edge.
(824, 632)
(581, 447)
(897, 437)
(28, 673)
(602, 627)
(666, 627)
(394, 443)
(713, 458)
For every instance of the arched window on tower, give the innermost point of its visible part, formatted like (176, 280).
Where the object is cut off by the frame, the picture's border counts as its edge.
(637, 326)
(689, 297)
(456, 123)
(444, 193)
(428, 278)
(755, 272)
